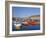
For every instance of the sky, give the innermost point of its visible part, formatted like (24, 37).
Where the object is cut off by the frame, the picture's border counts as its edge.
(25, 11)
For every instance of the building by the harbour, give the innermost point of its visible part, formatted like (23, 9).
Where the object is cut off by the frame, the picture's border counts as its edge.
(35, 17)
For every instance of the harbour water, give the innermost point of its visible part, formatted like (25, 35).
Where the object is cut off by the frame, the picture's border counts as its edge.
(24, 27)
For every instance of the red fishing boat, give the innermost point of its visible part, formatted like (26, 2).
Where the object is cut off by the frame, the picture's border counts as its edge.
(28, 22)
(33, 23)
